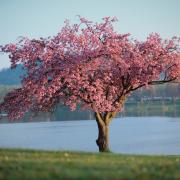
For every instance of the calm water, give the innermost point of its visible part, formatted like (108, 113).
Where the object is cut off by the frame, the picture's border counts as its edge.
(137, 135)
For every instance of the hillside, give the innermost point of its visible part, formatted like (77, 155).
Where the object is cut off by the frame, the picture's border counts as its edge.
(11, 76)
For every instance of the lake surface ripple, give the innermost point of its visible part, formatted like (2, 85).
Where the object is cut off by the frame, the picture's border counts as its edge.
(129, 135)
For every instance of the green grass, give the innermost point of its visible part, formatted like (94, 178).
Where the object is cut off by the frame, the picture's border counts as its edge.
(29, 164)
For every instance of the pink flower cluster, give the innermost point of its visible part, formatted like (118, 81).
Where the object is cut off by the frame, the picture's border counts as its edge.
(88, 64)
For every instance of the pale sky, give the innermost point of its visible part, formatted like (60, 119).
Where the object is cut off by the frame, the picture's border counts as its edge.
(43, 18)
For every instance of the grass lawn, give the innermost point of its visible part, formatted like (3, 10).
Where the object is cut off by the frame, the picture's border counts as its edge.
(30, 164)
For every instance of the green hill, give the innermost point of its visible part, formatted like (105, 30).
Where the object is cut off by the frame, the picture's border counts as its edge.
(11, 76)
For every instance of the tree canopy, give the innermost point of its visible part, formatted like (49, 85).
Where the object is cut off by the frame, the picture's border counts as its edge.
(88, 64)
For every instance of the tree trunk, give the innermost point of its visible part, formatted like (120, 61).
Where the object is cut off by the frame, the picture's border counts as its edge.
(103, 120)
(103, 136)
(103, 139)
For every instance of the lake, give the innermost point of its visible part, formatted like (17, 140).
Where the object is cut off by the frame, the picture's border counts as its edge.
(129, 135)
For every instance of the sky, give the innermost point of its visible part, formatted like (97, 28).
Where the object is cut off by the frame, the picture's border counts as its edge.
(43, 18)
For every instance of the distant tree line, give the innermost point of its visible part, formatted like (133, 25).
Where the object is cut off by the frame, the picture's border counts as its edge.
(4, 89)
(164, 91)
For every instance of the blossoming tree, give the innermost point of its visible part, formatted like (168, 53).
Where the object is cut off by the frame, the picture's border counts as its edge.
(89, 64)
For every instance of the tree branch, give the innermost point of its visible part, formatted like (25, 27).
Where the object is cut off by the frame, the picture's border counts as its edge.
(99, 119)
(161, 81)
(153, 83)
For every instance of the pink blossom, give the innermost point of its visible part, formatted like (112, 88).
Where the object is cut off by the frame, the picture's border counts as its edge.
(88, 64)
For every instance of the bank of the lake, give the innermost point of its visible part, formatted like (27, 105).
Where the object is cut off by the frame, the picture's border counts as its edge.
(30, 164)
